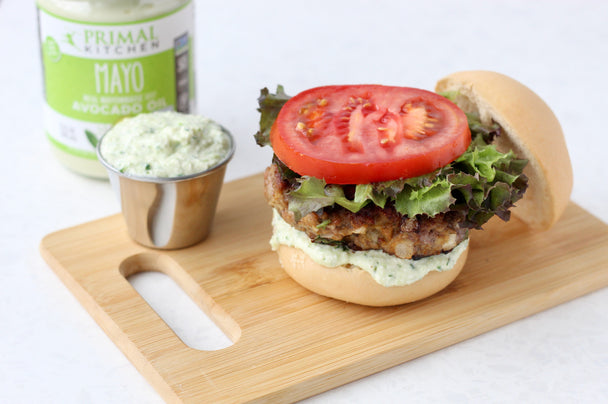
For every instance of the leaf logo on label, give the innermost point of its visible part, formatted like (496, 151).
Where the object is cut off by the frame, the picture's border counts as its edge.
(51, 49)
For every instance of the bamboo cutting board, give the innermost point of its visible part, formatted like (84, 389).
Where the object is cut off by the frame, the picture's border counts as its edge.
(290, 343)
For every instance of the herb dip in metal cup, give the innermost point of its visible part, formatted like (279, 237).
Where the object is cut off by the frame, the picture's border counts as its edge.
(173, 211)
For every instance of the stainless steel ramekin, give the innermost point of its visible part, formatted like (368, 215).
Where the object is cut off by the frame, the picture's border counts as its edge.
(169, 213)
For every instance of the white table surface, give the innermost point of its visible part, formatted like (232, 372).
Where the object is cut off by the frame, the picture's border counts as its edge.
(51, 351)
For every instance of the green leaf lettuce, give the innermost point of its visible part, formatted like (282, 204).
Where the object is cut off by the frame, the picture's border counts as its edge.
(270, 105)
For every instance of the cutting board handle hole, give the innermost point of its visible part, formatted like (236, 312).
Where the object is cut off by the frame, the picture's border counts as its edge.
(187, 314)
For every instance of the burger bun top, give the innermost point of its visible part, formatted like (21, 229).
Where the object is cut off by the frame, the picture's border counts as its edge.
(530, 129)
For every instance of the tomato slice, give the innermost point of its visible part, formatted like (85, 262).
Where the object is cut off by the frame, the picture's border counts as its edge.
(359, 134)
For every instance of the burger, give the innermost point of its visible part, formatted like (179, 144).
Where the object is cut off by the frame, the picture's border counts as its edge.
(376, 189)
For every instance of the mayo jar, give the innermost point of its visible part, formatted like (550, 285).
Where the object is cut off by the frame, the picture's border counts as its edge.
(106, 59)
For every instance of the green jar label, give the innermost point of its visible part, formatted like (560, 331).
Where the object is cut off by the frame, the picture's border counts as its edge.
(95, 74)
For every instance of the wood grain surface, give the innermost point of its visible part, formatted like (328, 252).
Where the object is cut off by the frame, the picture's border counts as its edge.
(289, 343)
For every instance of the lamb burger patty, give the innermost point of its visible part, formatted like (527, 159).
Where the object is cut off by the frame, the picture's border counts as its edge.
(372, 228)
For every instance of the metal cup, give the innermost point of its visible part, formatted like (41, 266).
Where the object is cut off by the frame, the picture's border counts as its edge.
(169, 213)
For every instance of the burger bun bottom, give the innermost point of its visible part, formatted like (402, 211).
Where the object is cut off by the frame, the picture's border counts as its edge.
(354, 285)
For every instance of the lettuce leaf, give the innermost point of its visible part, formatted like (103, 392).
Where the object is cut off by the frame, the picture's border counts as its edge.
(312, 194)
(479, 184)
(270, 105)
(430, 200)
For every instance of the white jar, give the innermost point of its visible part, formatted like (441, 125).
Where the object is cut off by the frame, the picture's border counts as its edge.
(106, 59)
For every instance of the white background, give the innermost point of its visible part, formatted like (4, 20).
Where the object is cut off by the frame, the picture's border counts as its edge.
(52, 351)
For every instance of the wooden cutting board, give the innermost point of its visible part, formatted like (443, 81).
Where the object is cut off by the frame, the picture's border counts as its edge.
(290, 343)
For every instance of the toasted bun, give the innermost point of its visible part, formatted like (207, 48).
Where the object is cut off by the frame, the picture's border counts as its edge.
(532, 132)
(354, 285)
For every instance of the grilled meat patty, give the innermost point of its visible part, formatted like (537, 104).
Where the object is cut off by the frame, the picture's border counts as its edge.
(372, 228)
